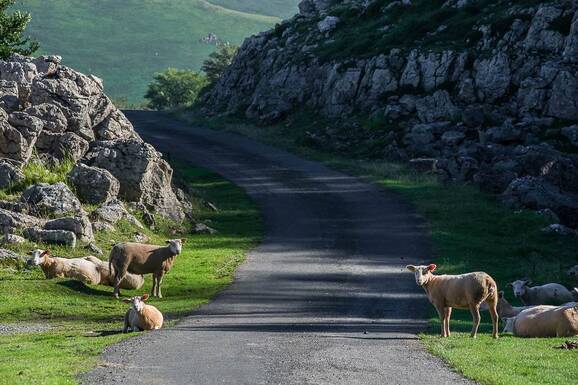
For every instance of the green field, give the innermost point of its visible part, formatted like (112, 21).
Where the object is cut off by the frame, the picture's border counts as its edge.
(126, 42)
(470, 232)
(85, 319)
(280, 8)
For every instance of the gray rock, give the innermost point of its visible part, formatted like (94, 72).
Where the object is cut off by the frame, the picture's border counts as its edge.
(55, 199)
(9, 255)
(113, 211)
(201, 228)
(58, 237)
(79, 225)
(10, 174)
(453, 138)
(52, 117)
(13, 220)
(93, 185)
(571, 133)
(59, 146)
(13, 239)
(328, 24)
(559, 230)
(93, 248)
(143, 175)
(9, 100)
(492, 77)
(17, 143)
(438, 106)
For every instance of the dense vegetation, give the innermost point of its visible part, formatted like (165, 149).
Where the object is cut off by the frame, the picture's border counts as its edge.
(175, 88)
(217, 62)
(83, 320)
(126, 42)
(12, 26)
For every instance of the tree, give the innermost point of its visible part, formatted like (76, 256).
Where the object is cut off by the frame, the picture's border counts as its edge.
(218, 61)
(12, 25)
(175, 88)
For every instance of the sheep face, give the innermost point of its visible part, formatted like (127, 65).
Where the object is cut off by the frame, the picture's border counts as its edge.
(176, 245)
(573, 271)
(520, 287)
(38, 257)
(137, 303)
(509, 324)
(422, 273)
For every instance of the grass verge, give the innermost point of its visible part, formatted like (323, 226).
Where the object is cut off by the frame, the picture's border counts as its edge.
(470, 232)
(84, 320)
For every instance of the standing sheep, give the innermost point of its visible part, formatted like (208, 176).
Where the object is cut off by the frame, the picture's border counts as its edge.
(548, 294)
(138, 258)
(141, 316)
(465, 291)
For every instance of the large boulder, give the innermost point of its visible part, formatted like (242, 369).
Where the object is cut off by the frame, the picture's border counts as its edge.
(79, 225)
(58, 237)
(10, 173)
(93, 185)
(143, 175)
(51, 115)
(18, 136)
(56, 199)
(111, 212)
(59, 146)
(15, 220)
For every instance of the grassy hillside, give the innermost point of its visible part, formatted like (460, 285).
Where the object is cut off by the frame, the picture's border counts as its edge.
(125, 42)
(280, 8)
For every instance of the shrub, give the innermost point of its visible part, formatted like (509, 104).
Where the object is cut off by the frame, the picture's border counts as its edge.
(175, 88)
(12, 25)
(219, 60)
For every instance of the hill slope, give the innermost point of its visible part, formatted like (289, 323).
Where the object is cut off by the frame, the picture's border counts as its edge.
(279, 8)
(125, 42)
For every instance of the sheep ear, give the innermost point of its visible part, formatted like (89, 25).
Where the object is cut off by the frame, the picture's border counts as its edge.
(501, 294)
(126, 300)
(144, 297)
(46, 252)
(410, 268)
(183, 240)
(432, 267)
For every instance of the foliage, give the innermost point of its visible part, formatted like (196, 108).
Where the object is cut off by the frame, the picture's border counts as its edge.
(175, 88)
(12, 26)
(218, 61)
(85, 319)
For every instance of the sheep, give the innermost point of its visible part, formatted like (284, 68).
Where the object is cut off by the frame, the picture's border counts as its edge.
(505, 309)
(548, 294)
(141, 316)
(138, 258)
(573, 271)
(545, 321)
(461, 291)
(129, 282)
(77, 268)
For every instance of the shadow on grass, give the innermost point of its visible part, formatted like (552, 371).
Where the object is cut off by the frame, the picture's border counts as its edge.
(82, 288)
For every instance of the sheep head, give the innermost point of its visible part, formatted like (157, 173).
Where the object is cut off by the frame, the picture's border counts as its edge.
(422, 273)
(573, 271)
(38, 256)
(509, 324)
(137, 303)
(520, 287)
(176, 245)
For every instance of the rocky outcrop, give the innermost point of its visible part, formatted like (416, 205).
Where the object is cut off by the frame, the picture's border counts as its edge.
(489, 106)
(58, 237)
(51, 112)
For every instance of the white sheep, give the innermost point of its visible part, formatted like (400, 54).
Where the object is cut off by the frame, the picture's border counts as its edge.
(505, 309)
(545, 321)
(548, 294)
(139, 258)
(129, 282)
(573, 271)
(465, 291)
(78, 269)
(141, 316)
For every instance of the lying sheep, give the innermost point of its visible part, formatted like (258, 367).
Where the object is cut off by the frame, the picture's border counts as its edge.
(78, 269)
(461, 291)
(548, 294)
(138, 258)
(505, 309)
(141, 316)
(545, 321)
(129, 282)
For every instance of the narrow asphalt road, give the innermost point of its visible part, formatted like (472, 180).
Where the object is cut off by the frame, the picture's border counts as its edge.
(323, 300)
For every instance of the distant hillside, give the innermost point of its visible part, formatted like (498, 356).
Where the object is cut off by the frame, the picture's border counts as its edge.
(125, 42)
(280, 8)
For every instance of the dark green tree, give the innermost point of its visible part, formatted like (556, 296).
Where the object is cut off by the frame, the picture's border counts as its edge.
(175, 88)
(12, 26)
(219, 60)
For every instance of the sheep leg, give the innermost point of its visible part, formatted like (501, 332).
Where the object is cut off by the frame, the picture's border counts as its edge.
(159, 281)
(493, 304)
(118, 277)
(126, 323)
(475, 310)
(442, 316)
(155, 283)
(447, 316)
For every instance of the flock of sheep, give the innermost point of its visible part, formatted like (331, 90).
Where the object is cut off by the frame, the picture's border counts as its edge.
(550, 310)
(127, 264)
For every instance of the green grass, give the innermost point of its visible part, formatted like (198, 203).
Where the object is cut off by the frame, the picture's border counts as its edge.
(470, 232)
(279, 8)
(87, 319)
(126, 42)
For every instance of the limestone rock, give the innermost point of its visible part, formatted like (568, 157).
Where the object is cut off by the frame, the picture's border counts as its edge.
(10, 174)
(79, 225)
(55, 199)
(93, 185)
(58, 237)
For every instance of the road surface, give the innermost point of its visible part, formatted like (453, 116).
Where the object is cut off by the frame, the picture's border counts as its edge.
(323, 300)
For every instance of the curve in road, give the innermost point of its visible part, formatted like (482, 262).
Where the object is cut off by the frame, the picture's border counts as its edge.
(323, 300)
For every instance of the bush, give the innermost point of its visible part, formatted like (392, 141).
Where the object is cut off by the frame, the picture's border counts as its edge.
(12, 25)
(175, 88)
(219, 60)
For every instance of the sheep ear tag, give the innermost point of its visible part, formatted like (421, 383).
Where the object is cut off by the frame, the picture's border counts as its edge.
(432, 267)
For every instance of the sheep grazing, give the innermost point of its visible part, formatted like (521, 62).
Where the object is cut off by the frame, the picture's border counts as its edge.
(141, 316)
(545, 321)
(78, 269)
(465, 291)
(548, 294)
(129, 282)
(138, 258)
